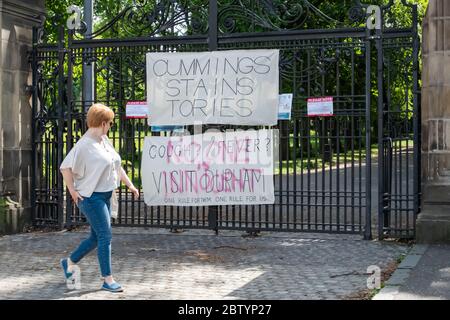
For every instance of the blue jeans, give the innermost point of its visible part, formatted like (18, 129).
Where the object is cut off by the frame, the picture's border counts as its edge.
(97, 210)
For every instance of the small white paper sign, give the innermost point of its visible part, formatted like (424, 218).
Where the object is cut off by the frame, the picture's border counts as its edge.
(320, 107)
(285, 106)
(136, 110)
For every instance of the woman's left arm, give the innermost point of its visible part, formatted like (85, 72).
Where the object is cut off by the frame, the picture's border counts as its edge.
(124, 178)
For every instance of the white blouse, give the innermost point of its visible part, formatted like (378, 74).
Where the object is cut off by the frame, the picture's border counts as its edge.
(95, 166)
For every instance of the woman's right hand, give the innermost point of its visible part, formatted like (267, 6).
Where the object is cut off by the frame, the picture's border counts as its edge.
(75, 196)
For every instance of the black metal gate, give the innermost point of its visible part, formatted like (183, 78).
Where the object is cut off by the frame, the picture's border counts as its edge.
(324, 181)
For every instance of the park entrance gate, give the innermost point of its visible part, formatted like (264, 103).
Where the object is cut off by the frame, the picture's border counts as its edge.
(354, 172)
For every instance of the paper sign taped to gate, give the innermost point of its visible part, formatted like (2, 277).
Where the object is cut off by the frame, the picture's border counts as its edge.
(320, 107)
(217, 168)
(238, 87)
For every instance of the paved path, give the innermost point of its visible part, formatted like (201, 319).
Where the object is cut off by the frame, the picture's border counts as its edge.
(196, 264)
(423, 275)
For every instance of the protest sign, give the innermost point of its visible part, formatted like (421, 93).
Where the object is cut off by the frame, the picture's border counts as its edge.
(237, 87)
(214, 168)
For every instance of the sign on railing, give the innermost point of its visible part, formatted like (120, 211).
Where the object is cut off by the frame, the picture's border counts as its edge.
(219, 87)
(320, 107)
(214, 168)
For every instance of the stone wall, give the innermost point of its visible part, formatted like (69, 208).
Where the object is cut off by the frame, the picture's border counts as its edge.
(17, 17)
(436, 94)
(434, 221)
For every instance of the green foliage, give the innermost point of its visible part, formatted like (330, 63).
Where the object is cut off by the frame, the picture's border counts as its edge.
(337, 10)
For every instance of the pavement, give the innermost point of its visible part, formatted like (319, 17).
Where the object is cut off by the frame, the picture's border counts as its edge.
(424, 274)
(197, 265)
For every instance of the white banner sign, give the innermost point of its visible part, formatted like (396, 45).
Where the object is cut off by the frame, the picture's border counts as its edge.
(219, 87)
(214, 168)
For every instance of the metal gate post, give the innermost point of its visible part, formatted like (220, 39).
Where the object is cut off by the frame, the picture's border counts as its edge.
(382, 220)
(33, 126)
(416, 116)
(69, 203)
(213, 211)
(368, 225)
(60, 107)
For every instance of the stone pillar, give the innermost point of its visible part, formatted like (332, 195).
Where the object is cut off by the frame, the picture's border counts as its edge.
(17, 17)
(433, 224)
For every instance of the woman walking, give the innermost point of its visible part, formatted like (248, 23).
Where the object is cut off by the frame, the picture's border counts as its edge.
(92, 171)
